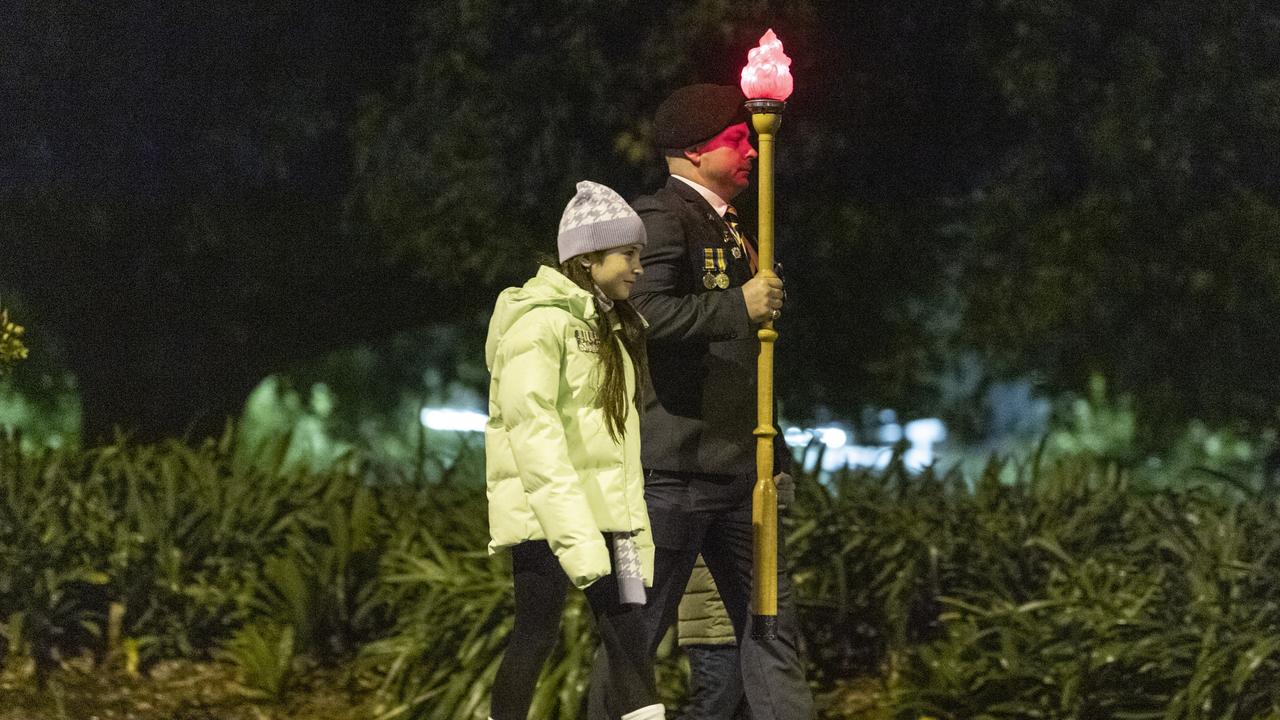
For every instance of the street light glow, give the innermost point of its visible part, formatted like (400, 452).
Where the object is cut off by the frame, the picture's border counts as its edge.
(453, 420)
(833, 437)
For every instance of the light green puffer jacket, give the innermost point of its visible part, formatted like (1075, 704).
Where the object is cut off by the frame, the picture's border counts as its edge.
(552, 470)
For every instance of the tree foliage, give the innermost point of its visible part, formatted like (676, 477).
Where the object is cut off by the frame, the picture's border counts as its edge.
(171, 190)
(1130, 228)
(195, 198)
(11, 347)
(461, 170)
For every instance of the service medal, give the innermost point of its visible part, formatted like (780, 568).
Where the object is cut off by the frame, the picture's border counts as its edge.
(722, 281)
(709, 265)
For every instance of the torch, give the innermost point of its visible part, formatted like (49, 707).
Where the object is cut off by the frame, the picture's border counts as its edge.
(766, 82)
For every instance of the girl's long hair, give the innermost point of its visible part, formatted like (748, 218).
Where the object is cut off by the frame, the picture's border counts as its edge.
(612, 397)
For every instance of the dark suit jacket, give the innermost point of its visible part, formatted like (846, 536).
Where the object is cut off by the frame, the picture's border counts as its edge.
(700, 408)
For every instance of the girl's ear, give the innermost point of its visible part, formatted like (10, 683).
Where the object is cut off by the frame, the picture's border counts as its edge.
(586, 262)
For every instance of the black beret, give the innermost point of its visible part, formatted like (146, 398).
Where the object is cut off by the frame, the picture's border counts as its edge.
(696, 113)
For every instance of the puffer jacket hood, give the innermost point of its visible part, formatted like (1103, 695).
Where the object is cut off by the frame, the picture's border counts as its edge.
(549, 288)
(552, 470)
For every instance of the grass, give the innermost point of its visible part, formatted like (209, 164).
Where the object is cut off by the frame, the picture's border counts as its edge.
(176, 690)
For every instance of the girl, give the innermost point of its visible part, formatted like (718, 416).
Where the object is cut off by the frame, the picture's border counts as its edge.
(562, 453)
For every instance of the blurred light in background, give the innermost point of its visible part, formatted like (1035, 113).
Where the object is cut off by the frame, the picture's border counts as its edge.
(927, 431)
(923, 434)
(796, 437)
(454, 420)
(890, 431)
(833, 437)
(840, 448)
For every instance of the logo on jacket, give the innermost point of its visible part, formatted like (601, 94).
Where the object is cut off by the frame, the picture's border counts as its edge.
(588, 340)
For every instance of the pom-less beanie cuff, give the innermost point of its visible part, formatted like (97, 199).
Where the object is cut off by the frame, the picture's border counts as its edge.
(597, 218)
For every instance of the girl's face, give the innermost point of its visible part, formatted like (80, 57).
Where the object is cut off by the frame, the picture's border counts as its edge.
(615, 271)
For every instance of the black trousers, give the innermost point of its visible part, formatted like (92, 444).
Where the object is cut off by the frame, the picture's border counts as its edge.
(715, 683)
(541, 588)
(711, 514)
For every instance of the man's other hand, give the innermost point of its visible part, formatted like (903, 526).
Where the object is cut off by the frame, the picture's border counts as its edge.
(786, 490)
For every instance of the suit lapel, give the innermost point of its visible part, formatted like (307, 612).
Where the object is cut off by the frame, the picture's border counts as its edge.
(715, 232)
(711, 235)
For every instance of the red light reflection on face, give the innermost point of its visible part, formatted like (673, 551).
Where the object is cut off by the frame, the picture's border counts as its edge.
(735, 137)
(724, 161)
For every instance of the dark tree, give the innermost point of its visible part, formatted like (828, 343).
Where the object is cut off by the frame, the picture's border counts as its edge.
(172, 191)
(1131, 231)
(195, 197)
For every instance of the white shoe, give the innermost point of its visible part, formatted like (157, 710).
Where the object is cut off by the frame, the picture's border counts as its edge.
(648, 712)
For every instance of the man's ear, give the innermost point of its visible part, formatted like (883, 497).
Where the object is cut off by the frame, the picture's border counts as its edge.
(693, 155)
(586, 262)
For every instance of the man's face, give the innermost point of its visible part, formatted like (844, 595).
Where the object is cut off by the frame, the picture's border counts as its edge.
(725, 160)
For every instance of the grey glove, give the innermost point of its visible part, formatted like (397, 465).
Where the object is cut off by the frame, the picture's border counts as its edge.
(786, 490)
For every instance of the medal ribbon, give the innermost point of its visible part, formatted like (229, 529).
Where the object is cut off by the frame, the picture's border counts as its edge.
(731, 219)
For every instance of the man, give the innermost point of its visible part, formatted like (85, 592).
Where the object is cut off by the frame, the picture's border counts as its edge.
(704, 305)
(706, 636)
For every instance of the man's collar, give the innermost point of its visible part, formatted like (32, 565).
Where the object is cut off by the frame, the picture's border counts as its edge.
(716, 202)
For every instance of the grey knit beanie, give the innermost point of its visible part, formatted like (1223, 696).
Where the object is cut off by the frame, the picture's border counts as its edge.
(597, 218)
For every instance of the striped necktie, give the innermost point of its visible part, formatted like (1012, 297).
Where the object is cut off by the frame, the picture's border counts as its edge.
(731, 219)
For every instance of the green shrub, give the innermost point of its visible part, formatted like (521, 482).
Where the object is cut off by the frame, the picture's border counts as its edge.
(1133, 603)
(1074, 591)
(454, 612)
(192, 545)
(262, 654)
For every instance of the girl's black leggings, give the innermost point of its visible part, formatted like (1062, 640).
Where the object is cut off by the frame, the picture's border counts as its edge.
(541, 587)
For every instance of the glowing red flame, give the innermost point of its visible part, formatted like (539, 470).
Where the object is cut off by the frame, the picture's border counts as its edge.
(768, 70)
